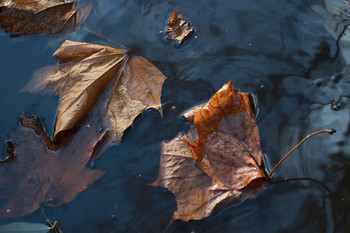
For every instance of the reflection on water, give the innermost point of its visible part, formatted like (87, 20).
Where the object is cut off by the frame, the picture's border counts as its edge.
(285, 52)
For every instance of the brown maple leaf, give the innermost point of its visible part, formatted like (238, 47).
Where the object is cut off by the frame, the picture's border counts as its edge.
(41, 16)
(178, 28)
(38, 176)
(218, 161)
(83, 75)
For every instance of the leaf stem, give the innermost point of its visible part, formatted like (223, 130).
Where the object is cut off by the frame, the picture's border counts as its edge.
(53, 225)
(330, 131)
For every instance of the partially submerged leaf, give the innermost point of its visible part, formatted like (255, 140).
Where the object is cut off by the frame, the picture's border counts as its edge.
(178, 28)
(83, 75)
(23, 227)
(41, 16)
(218, 161)
(139, 88)
(39, 176)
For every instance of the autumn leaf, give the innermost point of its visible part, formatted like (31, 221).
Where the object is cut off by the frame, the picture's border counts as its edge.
(39, 176)
(178, 28)
(80, 82)
(84, 74)
(41, 16)
(218, 161)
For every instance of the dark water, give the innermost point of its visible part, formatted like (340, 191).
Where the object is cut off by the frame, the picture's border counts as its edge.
(292, 55)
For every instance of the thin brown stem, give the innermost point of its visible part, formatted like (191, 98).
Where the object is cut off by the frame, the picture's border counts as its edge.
(178, 71)
(105, 38)
(330, 131)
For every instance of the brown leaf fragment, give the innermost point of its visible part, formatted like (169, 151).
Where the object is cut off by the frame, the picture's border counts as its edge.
(35, 124)
(41, 16)
(178, 28)
(10, 152)
(218, 161)
(39, 176)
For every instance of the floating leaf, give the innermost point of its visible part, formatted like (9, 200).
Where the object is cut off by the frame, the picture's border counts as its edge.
(178, 28)
(218, 161)
(83, 75)
(81, 82)
(39, 176)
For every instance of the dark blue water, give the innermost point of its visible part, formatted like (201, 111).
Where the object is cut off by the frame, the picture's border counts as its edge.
(293, 57)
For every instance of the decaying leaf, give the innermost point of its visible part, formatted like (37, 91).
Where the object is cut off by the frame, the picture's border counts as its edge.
(178, 28)
(41, 16)
(83, 75)
(39, 176)
(24, 227)
(218, 161)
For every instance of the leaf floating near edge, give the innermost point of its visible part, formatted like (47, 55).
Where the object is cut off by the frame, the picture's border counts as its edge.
(45, 16)
(61, 176)
(23, 227)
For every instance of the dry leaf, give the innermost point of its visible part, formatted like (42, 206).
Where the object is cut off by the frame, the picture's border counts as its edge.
(218, 161)
(139, 88)
(41, 16)
(178, 28)
(83, 75)
(39, 176)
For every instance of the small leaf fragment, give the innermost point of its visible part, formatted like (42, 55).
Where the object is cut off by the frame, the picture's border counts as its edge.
(178, 28)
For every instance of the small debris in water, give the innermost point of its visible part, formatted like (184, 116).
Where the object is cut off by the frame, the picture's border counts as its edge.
(335, 105)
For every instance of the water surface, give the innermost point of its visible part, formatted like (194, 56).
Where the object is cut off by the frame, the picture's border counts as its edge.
(291, 55)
